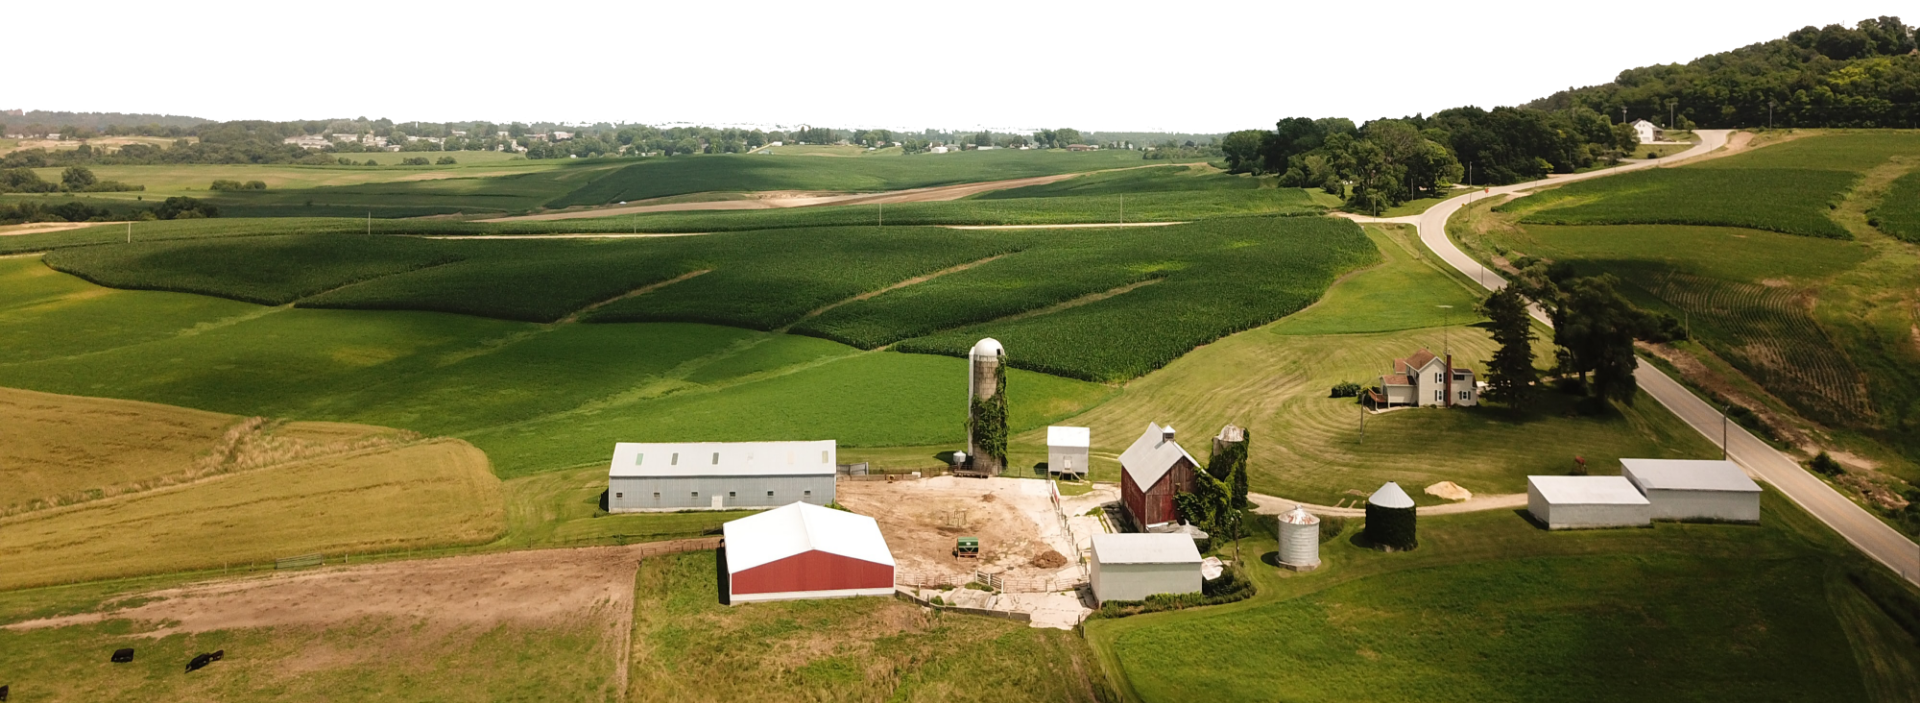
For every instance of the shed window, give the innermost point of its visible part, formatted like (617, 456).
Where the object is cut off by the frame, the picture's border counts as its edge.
(808, 493)
(769, 494)
(637, 458)
(731, 494)
(716, 457)
(696, 494)
(656, 495)
(619, 495)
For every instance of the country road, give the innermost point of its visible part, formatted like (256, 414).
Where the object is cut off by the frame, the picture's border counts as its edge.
(1859, 527)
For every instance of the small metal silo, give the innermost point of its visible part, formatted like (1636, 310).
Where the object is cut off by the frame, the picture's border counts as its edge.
(1299, 540)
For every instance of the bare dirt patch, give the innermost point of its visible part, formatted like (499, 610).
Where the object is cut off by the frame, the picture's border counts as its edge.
(42, 227)
(534, 588)
(1014, 519)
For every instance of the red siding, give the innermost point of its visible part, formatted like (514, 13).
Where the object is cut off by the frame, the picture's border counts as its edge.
(1155, 505)
(813, 571)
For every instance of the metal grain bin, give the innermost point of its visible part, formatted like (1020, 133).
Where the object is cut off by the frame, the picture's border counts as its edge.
(1299, 540)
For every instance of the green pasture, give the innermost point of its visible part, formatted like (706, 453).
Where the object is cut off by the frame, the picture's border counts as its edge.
(1828, 150)
(660, 177)
(1405, 291)
(688, 647)
(1491, 608)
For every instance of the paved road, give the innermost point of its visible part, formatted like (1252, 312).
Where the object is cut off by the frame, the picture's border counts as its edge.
(1854, 523)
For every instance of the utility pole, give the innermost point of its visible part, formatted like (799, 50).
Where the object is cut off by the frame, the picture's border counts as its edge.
(1446, 346)
(369, 223)
(883, 214)
(129, 232)
(1123, 208)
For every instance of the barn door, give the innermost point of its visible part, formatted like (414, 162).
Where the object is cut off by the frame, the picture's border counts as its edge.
(719, 501)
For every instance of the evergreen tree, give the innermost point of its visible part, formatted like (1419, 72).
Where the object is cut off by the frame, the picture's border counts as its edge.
(1595, 328)
(1511, 374)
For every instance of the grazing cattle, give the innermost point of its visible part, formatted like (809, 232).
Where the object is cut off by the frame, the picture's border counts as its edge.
(3, 694)
(204, 659)
(123, 655)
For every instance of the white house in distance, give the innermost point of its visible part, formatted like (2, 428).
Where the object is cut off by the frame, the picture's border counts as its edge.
(1681, 489)
(806, 551)
(719, 475)
(1648, 131)
(1134, 566)
(1067, 449)
(1579, 502)
(1425, 380)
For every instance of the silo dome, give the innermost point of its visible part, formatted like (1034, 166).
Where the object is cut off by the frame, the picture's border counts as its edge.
(989, 348)
(1299, 540)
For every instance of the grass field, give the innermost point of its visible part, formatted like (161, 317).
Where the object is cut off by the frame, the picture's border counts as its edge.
(1491, 608)
(420, 495)
(687, 647)
(1793, 201)
(1153, 179)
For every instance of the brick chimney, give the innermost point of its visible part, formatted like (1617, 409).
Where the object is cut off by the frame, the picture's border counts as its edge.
(1449, 384)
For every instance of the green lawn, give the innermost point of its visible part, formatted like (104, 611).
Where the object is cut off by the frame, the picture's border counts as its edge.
(1491, 608)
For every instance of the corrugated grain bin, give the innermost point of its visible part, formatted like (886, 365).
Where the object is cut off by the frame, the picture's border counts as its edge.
(1390, 519)
(1299, 540)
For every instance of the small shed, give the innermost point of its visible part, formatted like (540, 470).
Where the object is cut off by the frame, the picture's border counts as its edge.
(1152, 471)
(1134, 566)
(1682, 489)
(1067, 449)
(802, 551)
(719, 475)
(1576, 502)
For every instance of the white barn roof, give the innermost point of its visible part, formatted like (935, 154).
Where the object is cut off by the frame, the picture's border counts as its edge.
(1151, 457)
(798, 528)
(1149, 548)
(635, 460)
(1689, 475)
(1587, 490)
(1391, 495)
(1069, 437)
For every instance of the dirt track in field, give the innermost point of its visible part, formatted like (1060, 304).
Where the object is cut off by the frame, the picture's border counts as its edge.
(766, 200)
(39, 227)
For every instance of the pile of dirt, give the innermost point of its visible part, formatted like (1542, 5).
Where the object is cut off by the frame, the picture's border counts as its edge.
(1049, 559)
(1449, 490)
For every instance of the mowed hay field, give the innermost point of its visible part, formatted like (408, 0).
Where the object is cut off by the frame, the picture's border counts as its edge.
(688, 648)
(1820, 329)
(420, 495)
(1491, 608)
(1275, 381)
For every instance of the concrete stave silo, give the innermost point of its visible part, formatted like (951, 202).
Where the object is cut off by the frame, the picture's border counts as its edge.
(985, 380)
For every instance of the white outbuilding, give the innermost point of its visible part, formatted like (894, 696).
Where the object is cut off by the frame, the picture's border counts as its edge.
(1134, 566)
(1686, 489)
(1576, 502)
(1067, 449)
(719, 475)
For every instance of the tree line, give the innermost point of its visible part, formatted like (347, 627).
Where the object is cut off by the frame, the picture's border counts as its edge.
(175, 208)
(1867, 75)
(75, 179)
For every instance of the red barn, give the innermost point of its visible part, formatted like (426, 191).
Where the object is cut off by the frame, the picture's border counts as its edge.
(1152, 471)
(803, 550)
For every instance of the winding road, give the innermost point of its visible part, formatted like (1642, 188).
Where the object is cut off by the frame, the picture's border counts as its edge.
(1859, 527)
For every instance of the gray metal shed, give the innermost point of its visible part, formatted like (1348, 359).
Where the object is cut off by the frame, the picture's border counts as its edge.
(1067, 450)
(1574, 502)
(719, 475)
(1688, 489)
(1134, 566)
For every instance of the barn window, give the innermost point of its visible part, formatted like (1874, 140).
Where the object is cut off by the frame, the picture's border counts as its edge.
(696, 494)
(731, 494)
(769, 494)
(656, 495)
(637, 458)
(807, 493)
(619, 495)
(716, 457)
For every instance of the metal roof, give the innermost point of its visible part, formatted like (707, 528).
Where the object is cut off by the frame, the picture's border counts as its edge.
(1391, 496)
(1299, 516)
(1069, 437)
(798, 528)
(1151, 457)
(1587, 490)
(1688, 475)
(633, 460)
(1145, 548)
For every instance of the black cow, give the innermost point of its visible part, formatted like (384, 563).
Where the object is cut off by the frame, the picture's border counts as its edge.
(205, 658)
(123, 655)
(3, 694)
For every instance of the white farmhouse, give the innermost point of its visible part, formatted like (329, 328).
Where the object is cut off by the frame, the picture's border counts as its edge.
(1134, 566)
(1648, 132)
(1423, 380)
(1681, 489)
